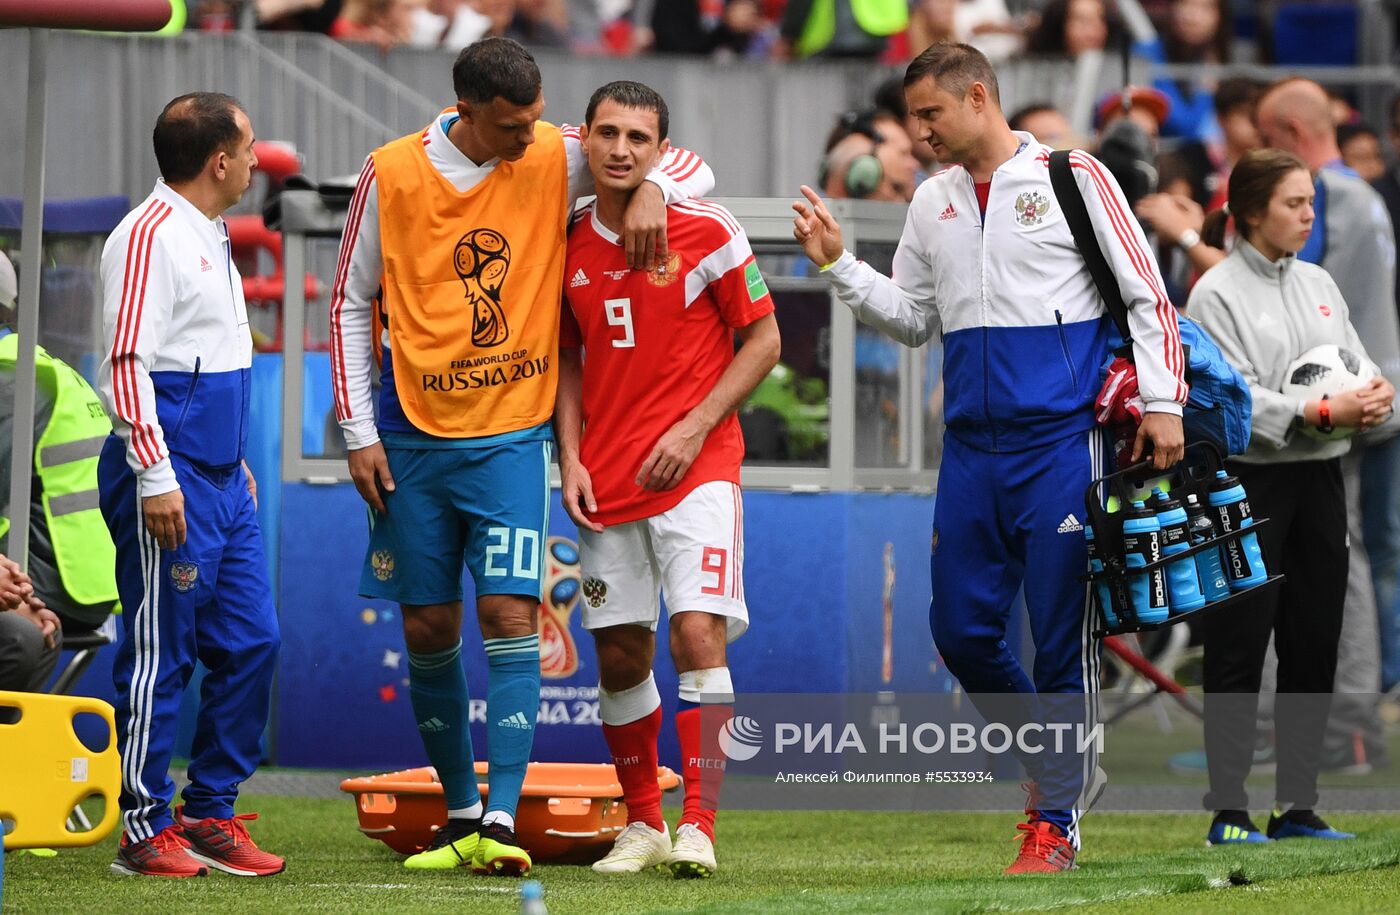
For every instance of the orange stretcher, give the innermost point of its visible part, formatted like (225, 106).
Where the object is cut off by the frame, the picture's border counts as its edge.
(569, 813)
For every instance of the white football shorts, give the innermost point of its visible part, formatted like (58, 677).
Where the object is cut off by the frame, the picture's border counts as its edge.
(693, 554)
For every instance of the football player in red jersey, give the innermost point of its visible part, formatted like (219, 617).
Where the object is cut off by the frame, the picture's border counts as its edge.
(649, 451)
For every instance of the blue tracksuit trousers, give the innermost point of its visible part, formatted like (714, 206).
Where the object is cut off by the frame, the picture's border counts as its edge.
(1004, 522)
(209, 600)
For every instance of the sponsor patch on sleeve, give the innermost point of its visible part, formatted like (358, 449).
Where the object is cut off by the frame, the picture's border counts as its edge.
(754, 280)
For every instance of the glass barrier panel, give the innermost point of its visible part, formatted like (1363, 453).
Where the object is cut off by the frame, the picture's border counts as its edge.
(320, 434)
(787, 419)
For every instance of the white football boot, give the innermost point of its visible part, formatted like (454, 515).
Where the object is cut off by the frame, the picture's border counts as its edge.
(693, 855)
(637, 848)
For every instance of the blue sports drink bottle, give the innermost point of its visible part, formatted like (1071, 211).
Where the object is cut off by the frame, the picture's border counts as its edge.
(1142, 543)
(1244, 563)
(1208, 565)
(1183, 583)
(1100, 587)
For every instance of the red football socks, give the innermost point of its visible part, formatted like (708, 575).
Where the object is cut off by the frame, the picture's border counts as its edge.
(702, 762)
(633, 747)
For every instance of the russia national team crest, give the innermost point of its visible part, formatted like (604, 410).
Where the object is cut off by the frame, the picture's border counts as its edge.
(595, 591)
(183, 575)
(667, 273)
(1031, 208)
(382, 561)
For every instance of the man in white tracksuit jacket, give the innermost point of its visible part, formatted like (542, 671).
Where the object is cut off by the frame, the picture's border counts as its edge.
(180, 502)
(987, 260)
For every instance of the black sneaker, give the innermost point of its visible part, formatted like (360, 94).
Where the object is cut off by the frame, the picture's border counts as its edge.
(1234, 827)
(1303, 824)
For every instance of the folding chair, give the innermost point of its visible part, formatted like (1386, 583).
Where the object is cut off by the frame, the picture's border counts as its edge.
(84, 646)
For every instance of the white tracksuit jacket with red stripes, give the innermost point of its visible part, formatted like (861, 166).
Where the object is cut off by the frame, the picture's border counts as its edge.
(1024, 329)
(178, 354)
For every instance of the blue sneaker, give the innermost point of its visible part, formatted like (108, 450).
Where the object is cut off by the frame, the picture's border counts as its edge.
(1303, 824)
(1223, 833)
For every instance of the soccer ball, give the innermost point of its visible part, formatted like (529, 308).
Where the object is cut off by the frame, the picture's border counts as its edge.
(1327, 369)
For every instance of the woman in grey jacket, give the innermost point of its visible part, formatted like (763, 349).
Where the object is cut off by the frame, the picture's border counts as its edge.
(1265, 308)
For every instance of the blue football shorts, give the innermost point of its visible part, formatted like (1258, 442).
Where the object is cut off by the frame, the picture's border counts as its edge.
(484, 507)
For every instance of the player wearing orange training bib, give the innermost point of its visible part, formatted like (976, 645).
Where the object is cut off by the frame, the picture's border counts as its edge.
(459, 232)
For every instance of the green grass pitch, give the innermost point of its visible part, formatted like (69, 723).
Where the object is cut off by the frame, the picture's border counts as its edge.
(769, 862)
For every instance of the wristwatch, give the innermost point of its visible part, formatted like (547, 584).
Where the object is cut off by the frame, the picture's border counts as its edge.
(1188, 240)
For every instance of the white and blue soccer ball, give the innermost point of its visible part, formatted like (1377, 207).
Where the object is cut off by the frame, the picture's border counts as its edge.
(1328, 369)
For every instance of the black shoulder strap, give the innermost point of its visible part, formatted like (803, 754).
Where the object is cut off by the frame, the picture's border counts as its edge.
(1077, 215)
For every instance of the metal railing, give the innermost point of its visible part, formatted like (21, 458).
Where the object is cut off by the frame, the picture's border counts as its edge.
(358, 79)
(846, 464)
(106, 91)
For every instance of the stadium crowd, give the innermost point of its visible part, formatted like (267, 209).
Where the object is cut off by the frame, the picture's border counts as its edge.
(889, 31)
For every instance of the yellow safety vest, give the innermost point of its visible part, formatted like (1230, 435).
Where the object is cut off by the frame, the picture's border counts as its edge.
(877, 17)
(65, 461)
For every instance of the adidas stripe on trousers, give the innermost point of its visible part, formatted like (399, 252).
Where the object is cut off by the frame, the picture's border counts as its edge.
(1000, 526)
(207, 601)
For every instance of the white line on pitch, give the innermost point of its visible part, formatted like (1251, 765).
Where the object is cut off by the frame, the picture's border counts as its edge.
(409, 886)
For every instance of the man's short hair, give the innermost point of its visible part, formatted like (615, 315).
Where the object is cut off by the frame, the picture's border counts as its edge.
(1018, 119)
(192, 128)
(954, 68)
(889, 96)
(849, 122)
(1348, 132)
(496, 68)
(631, 94)
(1237, 92)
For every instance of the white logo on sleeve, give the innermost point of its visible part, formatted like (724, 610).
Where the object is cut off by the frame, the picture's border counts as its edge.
(1070, 525)
(580, 279)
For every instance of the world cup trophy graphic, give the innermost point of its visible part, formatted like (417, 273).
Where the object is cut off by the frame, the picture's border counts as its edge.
(482, 259)
(558, 654)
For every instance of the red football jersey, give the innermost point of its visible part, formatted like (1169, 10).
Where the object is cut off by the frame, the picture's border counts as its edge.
(654, 345)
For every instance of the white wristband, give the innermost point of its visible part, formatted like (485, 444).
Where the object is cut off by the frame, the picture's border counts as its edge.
(1188, 240)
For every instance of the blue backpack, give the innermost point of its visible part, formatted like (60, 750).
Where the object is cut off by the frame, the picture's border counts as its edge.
(1219, 406)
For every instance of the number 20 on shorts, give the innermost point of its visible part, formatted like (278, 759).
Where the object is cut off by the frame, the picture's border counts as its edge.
(518, 546)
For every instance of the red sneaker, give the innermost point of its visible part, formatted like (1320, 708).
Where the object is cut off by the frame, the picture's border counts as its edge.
(226, 845)
(166, 854)
(1044, 850)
